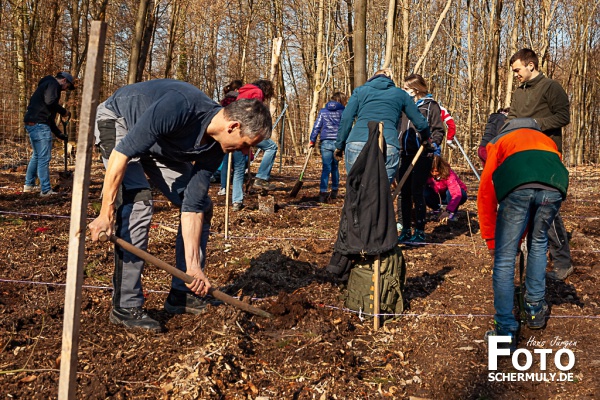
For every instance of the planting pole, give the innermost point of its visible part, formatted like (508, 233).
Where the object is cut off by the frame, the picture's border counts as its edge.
(67, 386)
(227, 185)
(377, 263)
(467, 158)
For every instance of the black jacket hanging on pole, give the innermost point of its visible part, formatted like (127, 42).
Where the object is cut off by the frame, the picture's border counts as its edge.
(367, 225)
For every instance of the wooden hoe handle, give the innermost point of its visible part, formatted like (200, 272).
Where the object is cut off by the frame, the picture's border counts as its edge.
(217, 294)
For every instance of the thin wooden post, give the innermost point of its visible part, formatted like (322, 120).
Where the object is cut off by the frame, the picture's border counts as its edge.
(227, 186)
(377, 264)
(79, 201)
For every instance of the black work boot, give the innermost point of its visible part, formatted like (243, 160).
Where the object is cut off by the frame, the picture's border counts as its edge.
(560, 274)
(322, 197)
(334, 194)
(181, 302)
(134, 318)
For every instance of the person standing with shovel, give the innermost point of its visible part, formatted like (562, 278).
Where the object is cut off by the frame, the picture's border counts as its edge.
(172, 134)
(326, 126)
(40, 123)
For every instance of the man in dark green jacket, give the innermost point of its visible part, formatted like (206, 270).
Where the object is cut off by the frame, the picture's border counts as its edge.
(545, 101)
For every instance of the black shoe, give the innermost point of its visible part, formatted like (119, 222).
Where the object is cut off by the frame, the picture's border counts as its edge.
(560, 274)
(322, 197)
(264, 185)
(237, 206)
(334, 194)
(536, 314)
(180, 302)
(134, 318)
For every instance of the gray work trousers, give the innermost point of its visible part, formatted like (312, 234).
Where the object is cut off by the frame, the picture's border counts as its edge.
(558, 244)
(135, 208)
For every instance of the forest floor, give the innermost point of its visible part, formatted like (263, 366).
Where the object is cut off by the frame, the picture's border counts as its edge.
(314, 348)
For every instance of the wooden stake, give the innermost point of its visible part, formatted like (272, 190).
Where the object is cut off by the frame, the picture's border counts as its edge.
(376, 273)
(70, 341)
(227, 185)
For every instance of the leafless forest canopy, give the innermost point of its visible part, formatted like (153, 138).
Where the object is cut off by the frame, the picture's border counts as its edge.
(461, 47)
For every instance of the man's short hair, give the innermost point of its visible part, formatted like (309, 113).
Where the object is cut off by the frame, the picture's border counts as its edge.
(253, 115)
(526, 56)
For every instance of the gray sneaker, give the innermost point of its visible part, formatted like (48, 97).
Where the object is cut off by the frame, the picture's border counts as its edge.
(536, 314)
(30, 189)
(48, 193)
(264, 185)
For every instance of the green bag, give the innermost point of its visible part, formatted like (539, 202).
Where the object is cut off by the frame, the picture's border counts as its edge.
(359, 294)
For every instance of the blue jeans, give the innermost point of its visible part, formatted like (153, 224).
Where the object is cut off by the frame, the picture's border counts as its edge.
(266, 165)
(536, 207)
(40, 137)
(353, 149)
(239, 168)
(330, 166)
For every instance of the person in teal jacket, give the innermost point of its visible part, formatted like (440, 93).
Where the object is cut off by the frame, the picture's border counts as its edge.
(377, 100)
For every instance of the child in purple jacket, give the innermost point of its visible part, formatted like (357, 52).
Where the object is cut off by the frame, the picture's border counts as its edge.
(444, 188)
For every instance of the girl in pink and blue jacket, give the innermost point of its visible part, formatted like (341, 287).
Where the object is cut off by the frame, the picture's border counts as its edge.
(444, 187)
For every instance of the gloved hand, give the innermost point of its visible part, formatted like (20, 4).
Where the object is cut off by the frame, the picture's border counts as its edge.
(338, 154)
(451, 144)
(446, 216)
(62, 137)
(311, 144)
(437, 150)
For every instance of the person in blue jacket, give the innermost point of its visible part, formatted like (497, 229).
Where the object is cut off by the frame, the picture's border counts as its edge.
(327, 125)
(170, 133)
(377, 100)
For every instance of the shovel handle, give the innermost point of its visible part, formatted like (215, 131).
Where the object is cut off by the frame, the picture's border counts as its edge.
(217, 294)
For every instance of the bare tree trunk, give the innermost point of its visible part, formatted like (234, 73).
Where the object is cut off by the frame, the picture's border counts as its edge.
(390, 25)
(147, 39)
(136, 45)
(173, 29)
(21, 72)
(432, 37)
(318, 84)
(350, 35)
(514, 36)
(494, 56)
(245, 39)
(360, 42)
(275, 56)
(404, 60)
(548, 10)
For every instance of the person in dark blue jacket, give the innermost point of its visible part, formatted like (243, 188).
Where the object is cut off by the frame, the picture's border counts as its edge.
(170, 133)
(377, 100)
(327, 125)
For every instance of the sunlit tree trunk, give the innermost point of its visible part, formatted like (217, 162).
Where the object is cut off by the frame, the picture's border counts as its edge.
(360, 42)
(136, 45)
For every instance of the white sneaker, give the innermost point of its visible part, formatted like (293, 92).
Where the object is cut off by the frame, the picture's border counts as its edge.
(29, 189)
(48, 193)
(221, 192)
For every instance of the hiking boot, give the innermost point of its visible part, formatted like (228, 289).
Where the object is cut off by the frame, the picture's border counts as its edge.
(536, 314)
(418, 237)
(560, 274)
(29, 189)
(221, 192)
(180, 302)
(237, 206)
(322, 197)
(405, 235)
(264, 185)
(334, 194)
(48, 193)
(134, 318)
(514, 338)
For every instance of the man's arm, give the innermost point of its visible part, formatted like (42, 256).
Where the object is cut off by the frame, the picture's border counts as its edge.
(115, 171)
(558, 103)
(191, 230)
